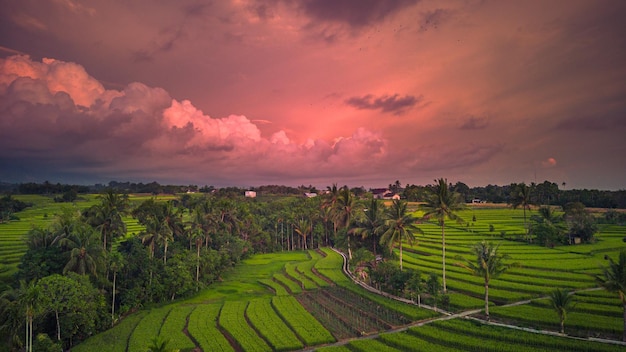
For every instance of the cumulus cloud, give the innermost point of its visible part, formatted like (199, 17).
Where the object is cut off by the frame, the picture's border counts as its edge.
(386, 103)
(54, 116)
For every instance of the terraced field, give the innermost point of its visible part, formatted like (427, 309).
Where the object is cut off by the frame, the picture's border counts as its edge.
(41, 214)
(12, 234)
(539, 271)
(302, 300)
(258, 307)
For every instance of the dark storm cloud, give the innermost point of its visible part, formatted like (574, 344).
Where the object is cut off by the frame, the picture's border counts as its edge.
(386, 103)
(474, 123)
(354, 13)
(450, 157)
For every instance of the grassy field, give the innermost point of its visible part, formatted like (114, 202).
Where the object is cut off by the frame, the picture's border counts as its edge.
(294, 300)
(40, 214)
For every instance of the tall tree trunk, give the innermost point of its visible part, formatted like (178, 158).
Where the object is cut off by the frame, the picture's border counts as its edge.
(165, 253)
(113, 300)
(624, 307)
(198, 268)
(443, 255)
(349, 249)
(562, 325)
(27, 325)
(56, 313)
(401, 254)
(487, 298)
(526, 226)
(30, 333)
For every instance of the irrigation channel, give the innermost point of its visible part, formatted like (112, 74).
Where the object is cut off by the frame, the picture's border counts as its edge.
(448, 316)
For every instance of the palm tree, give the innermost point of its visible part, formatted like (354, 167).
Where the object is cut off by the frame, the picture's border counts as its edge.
(488, 264)
(345, 207)
(561, 301)
(165, 235)
(613, 279)
(86, 254)
(371, 225)
(303, 228)
(25, 300)
(549, 227)
(442, 203)
(38, 237)
(108, 215)
(116, 263)
(64, 223)
(149, 236)
(399, 225)
(329, 204)
(520, 197)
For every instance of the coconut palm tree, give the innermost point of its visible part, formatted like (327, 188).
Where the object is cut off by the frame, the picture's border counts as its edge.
(108, 215)
(442, 203)
(16, 304)
(116, 263)
(561, 301)
(399, 225)
(329, 203)
(38, 237)
(548, 227)
(613, 279)
(149, 236)
(488, 263)
(165, 236)
(86, 254)
(370, 226)
(303, 228)
(346, 206)
(520, 197)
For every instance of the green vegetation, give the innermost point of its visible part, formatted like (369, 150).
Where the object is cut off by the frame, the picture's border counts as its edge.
(203, 327)
(233, 321)
(220, 272)
(301, 321)
(269, 325)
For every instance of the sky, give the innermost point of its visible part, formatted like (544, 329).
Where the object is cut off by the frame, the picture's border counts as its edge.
(314, 92)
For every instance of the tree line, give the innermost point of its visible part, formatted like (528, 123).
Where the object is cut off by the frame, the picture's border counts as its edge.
(546, 192)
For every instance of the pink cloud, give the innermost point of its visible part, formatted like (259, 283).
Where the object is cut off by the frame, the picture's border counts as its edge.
(59, 76)
(550, 162)
(61, 113)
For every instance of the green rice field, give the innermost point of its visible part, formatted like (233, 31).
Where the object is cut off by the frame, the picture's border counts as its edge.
(302, 300)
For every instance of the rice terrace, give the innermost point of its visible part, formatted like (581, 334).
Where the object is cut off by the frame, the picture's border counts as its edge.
(422, 268)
